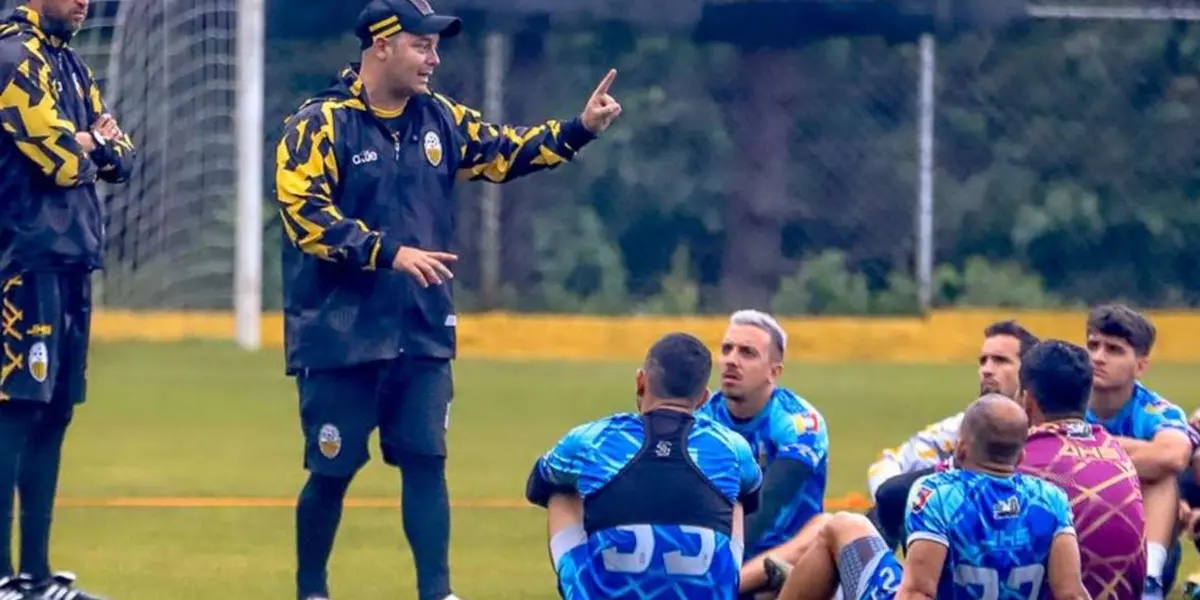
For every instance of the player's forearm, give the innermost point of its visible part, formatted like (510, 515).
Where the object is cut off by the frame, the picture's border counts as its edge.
(500, 154)
(317, 229)
(782, 482)
(1156, 460)
(117, 164)
(41, 134)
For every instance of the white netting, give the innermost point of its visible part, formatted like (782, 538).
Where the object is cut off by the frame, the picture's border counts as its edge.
(167, 70)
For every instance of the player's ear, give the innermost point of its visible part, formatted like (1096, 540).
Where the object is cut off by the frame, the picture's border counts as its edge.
(776, 371)
(960, 449)
(639, 380)
(1023, 399)
(1140, 365)
(380, 48)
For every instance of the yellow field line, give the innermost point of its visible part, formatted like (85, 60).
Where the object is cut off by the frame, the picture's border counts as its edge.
(847, 502)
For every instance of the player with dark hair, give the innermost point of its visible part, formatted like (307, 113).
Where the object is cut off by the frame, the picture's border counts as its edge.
(787, 434)
(1089, 465)
(57, 138)
(1151, 429)
(891, 477)
(650, 504)
(365, 180)
(979, 530)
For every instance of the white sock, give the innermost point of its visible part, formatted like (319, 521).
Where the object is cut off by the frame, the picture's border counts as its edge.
(1156, 559)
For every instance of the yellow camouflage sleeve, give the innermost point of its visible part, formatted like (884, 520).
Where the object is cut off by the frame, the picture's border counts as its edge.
(28, 113)
(306, 175)
(501, 153)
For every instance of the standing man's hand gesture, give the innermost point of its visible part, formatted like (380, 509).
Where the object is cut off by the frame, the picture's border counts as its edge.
(601, 109)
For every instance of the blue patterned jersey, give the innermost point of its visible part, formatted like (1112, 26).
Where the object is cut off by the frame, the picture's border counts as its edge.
(1143, 416)
(997, 530)
(649, 560)
(787, 428)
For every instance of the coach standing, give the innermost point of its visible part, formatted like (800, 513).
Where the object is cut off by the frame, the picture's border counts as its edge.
(56, 139)
(365, 179)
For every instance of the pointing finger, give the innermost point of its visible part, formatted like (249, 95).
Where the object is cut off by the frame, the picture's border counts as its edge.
(602, 89)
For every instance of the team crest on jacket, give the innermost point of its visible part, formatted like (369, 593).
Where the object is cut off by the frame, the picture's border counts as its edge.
(39, 362)
(329, 440)
(433, 148)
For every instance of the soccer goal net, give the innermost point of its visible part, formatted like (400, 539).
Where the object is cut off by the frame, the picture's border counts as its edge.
(167, 70)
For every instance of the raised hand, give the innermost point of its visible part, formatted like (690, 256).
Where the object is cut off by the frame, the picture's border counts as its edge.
(601, 109)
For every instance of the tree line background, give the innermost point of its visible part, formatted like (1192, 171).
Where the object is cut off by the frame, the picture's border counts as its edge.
(778, 177)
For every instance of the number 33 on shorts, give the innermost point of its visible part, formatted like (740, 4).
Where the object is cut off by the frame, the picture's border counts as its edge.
(674, 562)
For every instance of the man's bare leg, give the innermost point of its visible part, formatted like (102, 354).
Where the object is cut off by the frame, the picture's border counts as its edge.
(816, 575)
(754, 573)
(1161, 502)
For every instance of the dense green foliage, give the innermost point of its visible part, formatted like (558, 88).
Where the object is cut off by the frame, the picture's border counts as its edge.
(1066, 170)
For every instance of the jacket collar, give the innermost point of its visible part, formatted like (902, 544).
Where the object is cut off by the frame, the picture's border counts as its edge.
(30, 20)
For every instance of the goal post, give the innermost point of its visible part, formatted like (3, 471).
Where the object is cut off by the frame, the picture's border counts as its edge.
(251, 60)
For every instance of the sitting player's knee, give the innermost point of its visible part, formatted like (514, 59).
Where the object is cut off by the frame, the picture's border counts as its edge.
(845, 527)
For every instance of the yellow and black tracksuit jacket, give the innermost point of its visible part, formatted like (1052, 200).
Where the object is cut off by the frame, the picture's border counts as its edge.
(50, 215)
(353, 187)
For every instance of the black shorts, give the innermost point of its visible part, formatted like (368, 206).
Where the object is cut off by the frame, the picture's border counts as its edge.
(407, 399)
(46, 320)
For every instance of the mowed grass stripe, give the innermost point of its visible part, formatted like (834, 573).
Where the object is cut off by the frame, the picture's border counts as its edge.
(847, 502)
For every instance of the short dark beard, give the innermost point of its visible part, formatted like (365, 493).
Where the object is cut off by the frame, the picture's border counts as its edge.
(63, 29)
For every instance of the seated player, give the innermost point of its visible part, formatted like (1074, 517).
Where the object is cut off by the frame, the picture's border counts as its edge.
(786, 433)
(649, 505)
(1153, 431)
(1089, 465)
(979, 530)
(1189, 507)
(891, 477)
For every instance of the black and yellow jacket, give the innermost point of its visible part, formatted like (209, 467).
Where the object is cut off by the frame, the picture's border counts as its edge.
(351, 193)
(50, 214)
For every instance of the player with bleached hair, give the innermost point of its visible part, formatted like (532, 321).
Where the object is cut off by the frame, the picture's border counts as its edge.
(787, 433)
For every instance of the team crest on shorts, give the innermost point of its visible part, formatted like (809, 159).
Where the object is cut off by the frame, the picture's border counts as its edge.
(329, 440)
(39, 362)
(433, 148)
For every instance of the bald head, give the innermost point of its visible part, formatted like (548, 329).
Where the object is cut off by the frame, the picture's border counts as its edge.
(996, 428)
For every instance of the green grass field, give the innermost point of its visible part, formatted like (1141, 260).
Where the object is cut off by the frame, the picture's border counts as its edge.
(190, 421)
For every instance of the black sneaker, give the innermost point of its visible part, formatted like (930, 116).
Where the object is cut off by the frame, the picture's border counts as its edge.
(60, 586)
(17, 587)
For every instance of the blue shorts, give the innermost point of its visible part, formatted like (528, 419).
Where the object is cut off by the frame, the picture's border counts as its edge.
(869, 570)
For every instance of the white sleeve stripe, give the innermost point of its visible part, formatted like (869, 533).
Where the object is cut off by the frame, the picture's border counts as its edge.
(565, 541)
(1068, 530)
(929, 537)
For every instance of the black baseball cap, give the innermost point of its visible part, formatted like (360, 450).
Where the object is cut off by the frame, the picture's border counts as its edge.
(385, 18)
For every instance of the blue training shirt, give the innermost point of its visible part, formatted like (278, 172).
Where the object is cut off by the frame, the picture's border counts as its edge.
(998, 531)
(787, 428)
(684, 561)
(1144, 416)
